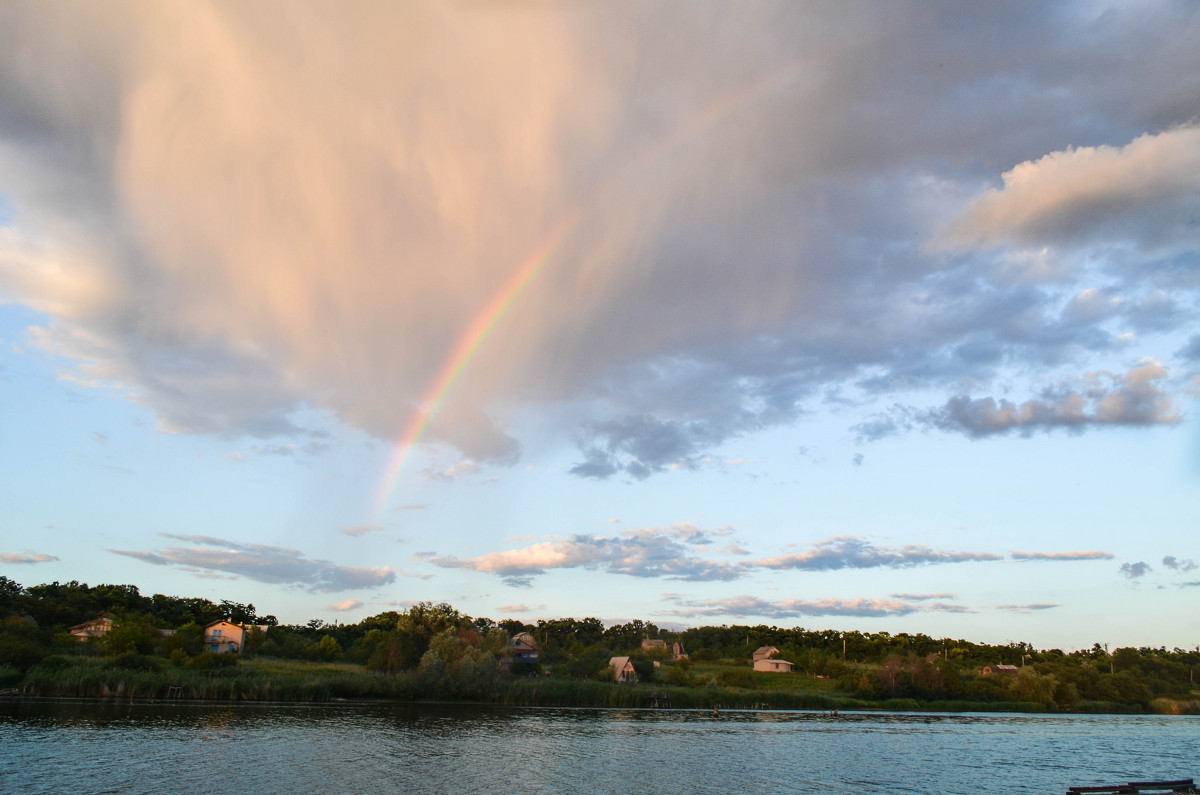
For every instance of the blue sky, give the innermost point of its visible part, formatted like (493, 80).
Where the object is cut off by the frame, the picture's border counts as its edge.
(847, 316)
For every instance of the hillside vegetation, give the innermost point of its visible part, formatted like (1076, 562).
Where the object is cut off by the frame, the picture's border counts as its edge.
(431, 651)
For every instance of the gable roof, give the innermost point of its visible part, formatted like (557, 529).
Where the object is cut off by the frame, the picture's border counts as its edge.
(94, 623)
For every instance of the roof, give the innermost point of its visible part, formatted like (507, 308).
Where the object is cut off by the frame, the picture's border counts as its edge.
(523, 639)
(619, 662)
(93, 622)
(653, 643)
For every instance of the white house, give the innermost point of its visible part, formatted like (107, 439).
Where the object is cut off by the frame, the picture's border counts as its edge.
(773, 665)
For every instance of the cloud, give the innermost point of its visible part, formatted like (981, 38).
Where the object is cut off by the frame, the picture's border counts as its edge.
(1077, 555)
(853, 552)
(26, 557)
(649, 552)
(263, 563)
(745, 606)
(344, 606)
(1029, 608)
(922, 597)
(1146, 189)
(673, 553)
(1175, 564)
(456, 472)
(1105, 399)
(216, 228)
(358, 530)
(1133, 571)
(521, 608)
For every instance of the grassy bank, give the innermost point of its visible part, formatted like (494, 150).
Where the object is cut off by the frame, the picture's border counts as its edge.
(264, 679)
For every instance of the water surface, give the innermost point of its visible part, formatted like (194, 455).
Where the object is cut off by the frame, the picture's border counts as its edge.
(97, 747)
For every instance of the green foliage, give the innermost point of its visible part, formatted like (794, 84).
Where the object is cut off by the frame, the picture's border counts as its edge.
(433, 651)
(737, 677)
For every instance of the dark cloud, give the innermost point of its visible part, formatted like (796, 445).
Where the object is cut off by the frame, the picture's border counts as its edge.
(852, 552)
(263, 563)
(1133, 571)
(1175, 564)
(1191, 351)
(1106, 399)
(641, 446)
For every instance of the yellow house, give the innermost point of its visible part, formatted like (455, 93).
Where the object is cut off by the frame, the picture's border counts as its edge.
(223, 636)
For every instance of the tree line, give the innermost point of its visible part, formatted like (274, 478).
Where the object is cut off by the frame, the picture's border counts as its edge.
(462, 655)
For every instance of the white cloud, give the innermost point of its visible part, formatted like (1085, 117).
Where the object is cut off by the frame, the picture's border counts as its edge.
(26, 557)
(360, 529)
(1148, 188)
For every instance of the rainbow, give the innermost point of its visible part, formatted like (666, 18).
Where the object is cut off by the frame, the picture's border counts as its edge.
(464, 351)
(477, 332)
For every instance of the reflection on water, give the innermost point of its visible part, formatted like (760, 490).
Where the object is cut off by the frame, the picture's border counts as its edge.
(105, 747)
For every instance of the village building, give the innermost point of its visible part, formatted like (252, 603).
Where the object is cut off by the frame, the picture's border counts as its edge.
(677, 652)
(774, 666)
(999, 670)
(765, 653)
(650, 644)
(225, 636)
(522, 648)
(96, 628)
(623, 670)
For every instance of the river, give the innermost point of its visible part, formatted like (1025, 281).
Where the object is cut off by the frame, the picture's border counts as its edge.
(105, 747)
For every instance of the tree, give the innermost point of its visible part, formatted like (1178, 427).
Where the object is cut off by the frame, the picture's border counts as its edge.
(328, 649)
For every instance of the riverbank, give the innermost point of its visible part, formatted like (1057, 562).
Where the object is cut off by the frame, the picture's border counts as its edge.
(138, 677)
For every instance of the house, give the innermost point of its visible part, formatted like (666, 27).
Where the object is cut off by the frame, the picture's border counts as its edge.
(522, 648)
(765, 653)
(623, 670)
(650, 644)
(677, 652)
(96, 628)
(999, 670)
(226, 636)
(774, 666)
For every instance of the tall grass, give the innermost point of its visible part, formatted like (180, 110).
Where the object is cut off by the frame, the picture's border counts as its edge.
(92, 677)
(263, 679)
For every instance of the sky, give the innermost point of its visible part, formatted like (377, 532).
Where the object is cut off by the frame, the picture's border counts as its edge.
(855, 316)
